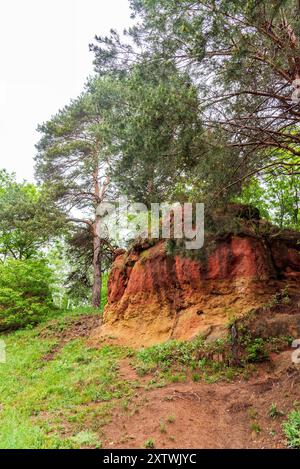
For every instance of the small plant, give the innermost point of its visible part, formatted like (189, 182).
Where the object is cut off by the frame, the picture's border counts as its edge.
(177, 378)
(125, 404)
(171, 419)
(255, 427)
(280, 297)
(196, 377)
(149, 444)
(162, 428)
(274, 413)
(256, 351)
(292, 429)
(252, 413)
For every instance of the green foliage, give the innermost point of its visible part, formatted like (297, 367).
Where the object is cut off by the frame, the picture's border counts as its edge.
(28, 219)
(277, 196)
(256, 351)
(255, 194)
(170, 419)
(171, 352)
(241, 56)
(87, 438)
(174, 358)
(292, 429)
(25, 293)
(71, 151)
(157, 132)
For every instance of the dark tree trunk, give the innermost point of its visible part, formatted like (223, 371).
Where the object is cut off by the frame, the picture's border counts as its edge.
(97, 276)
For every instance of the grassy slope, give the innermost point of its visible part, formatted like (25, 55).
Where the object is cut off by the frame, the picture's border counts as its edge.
(64, 399)
(38, 396)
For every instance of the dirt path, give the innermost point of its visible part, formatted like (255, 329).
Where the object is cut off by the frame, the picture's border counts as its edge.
(75, 328)
(199, 415)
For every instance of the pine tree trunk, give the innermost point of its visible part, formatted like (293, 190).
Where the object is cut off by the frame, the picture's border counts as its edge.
(97, 280)
(97, 276)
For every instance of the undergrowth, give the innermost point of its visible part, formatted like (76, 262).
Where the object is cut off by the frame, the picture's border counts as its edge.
(292, 429)
(174, 359)
(210, 361)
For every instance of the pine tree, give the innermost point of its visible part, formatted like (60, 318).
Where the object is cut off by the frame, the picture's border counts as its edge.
(73, 160)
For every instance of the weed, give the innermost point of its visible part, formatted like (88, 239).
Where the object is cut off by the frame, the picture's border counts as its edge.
(170, 419)
(149, 444)
(255, 427)
(252, 413)
(256, 351)
(174, 357)
(162, 428)
(274, 413)
(196, 377)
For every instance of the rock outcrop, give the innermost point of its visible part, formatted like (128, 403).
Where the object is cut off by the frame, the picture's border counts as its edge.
(154, 296)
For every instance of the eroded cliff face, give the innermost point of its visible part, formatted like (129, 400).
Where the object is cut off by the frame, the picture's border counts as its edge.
(154, 296)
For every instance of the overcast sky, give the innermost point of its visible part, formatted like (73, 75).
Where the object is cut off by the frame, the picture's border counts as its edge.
(44, 62)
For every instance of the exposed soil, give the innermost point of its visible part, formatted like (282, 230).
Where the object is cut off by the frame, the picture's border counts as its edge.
(73, 329)
(199, 415)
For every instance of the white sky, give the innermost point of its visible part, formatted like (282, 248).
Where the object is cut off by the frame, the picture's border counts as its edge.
(44, 62)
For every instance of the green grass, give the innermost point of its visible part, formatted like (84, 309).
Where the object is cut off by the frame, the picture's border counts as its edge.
(57, 403)
(175, 360)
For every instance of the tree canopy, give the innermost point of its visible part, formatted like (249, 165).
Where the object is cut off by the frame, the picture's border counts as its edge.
(29, 219)
(243, 56)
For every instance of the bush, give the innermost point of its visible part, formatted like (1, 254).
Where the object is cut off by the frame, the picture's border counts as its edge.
(292, 429)
(256, 351)
(25, 293)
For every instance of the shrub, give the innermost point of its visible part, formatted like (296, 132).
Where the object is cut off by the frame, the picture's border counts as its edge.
(25, 293)
(256, 351)
(292, 429)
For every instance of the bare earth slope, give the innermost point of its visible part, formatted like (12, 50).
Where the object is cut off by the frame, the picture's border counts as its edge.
(200, 415)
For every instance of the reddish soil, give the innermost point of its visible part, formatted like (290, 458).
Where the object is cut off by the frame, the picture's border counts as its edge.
(73, 329)
(199, 415)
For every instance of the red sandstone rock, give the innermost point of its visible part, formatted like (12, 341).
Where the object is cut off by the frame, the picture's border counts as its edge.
(153, 297)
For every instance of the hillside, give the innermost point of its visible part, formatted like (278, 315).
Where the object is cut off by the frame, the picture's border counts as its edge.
(59, 392)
